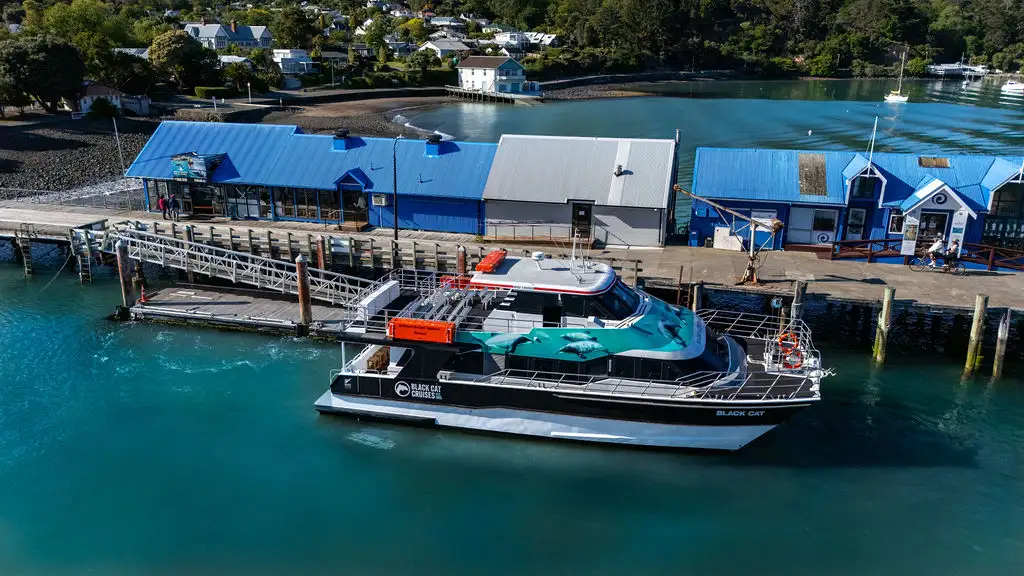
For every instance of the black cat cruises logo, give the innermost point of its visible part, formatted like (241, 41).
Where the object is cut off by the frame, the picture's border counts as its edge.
(416, 390)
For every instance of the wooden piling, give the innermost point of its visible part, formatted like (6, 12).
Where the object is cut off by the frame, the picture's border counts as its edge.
(121, 250)
(977, 331)
(796, 310)
(305, 303)
(352, 247)
(460, 260)
(270, 245)
(884, 321)
(679, 286)
(140, 275)
(1001, 338)
(291, 255)
(190, 236)
(252, 246)
(321, 256)
(698, 296)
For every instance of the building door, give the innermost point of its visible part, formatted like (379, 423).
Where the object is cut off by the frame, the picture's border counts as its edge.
(354, 206)
(932, 225)
(583, 219)
(855, 220)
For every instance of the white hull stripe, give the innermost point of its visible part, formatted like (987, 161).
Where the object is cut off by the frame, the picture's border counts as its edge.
(542, 424)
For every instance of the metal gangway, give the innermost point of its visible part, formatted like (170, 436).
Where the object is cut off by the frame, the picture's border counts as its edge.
(238, 267)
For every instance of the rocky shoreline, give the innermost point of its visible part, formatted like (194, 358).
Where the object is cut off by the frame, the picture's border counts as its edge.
(593, 91)
(63, 154)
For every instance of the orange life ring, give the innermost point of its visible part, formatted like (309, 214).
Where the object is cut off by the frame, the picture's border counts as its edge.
(788, 342)
(793, 360)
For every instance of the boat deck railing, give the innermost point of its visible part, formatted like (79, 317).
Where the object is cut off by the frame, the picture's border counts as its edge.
(788, 347)
(702, 386)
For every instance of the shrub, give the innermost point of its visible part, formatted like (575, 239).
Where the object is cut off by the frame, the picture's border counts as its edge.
(207, 92)
(103, 108)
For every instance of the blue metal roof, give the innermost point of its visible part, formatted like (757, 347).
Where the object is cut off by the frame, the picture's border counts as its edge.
(765, 175)
(856, 165)
(273, 155)
(773, 175)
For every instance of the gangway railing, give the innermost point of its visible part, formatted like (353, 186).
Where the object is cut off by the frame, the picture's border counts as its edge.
(238, 267)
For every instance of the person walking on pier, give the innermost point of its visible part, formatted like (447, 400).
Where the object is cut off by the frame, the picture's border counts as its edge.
(173, 206)
(161, 204)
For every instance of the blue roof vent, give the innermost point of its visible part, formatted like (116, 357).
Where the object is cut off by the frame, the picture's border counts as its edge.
(341, 140)
(433, 145)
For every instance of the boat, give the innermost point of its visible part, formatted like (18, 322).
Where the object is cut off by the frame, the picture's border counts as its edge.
(897, 96)
(1013, 87)
(565, 349)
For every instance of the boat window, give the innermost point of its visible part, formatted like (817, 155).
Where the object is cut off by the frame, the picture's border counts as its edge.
(620, 301)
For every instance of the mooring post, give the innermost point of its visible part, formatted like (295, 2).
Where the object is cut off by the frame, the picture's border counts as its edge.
(796, 310)
(252, 247)
(270, 245)
(190, 237)
(291, 255)
(320, 253)
(698, 296)
(352, 247)
(977, 330)
(394, 254)
(121, 249)
(305, 305)
(460, 260)
(211, 236)
(1003, 336)
(884, 321)
(140, 275)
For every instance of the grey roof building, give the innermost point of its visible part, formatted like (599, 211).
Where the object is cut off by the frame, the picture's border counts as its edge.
(219, 36)
(616, 190)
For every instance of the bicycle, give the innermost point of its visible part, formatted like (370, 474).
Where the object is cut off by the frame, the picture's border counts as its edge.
(924, 264)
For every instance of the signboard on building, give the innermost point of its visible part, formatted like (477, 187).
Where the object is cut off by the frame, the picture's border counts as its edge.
(910, 226)
(956, 231)
(194, 166)
(764, 216)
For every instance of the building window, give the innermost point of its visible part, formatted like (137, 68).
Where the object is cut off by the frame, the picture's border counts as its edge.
(1008, 201)
(895, 224)
(824, 220)
(863, 187)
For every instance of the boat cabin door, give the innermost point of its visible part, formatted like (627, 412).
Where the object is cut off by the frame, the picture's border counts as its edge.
(582, 218)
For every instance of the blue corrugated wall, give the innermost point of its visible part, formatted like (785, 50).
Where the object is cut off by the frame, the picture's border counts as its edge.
(431, 213)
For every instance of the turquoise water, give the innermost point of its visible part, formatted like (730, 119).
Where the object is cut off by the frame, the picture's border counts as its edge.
(142, 449)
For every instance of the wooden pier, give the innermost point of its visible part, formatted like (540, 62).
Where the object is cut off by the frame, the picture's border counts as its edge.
(238, 309)
(500, 97)
(690, 276)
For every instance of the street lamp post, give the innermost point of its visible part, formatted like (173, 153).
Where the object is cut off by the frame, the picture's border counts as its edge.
(394, 182)
(249, 86)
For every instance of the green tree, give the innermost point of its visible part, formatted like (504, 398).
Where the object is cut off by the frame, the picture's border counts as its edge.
(83, 21)
(238, 73)
(382, 54)
(182, 59)
(415, 29)
(292, 28)
(377, 31)
(917, 66)
(45, 69)
(423, 60)
(126, 72)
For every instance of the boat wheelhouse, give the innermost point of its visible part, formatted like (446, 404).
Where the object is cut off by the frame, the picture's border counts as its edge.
(565, 349)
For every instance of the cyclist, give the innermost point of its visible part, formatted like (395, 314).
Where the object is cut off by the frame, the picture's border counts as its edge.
(936, 250)
(953, 254)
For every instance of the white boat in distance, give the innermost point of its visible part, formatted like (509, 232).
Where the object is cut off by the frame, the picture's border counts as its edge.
(1013, 87)
(897, 96)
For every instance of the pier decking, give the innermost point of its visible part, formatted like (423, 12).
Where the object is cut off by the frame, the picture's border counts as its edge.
(841, 281)
(232, 308)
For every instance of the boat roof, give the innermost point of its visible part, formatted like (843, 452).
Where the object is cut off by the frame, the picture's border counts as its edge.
(570, 276)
